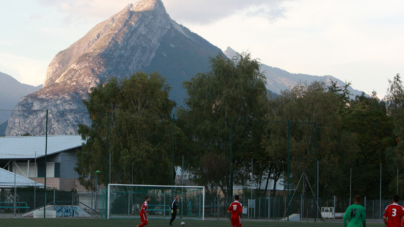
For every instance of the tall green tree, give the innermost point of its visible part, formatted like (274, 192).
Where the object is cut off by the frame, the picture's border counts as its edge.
(336, 148)
(224, 111)
(367, 117)
(395, 109)
(140, 131)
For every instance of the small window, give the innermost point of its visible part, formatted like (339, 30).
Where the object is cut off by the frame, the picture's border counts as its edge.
(57, 169)
(41, 170)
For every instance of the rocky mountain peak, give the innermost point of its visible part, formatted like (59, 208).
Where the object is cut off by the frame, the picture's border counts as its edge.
(140, 37)
(230, 53)
(131, 23)
(148, 5)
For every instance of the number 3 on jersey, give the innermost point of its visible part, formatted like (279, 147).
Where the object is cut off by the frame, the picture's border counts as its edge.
(394, 212)
(234, 207)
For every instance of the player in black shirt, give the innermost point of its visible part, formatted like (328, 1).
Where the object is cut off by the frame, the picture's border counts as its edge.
(174, 210)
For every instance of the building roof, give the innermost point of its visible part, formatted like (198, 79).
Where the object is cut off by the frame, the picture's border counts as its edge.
(11, 180)
(24, 147)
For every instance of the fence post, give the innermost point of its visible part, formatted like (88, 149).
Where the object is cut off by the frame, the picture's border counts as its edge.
(92, 204)
(54, 199)
(301, 206)
(200, 204)
(269, 206)
(335, 200)
(259, 207)
(373, 209)
(164, 205)
(15, 198)
(218, 208)
(129, 205)
(365, 203)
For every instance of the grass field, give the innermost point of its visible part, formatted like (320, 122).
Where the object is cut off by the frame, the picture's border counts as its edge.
(153, 223)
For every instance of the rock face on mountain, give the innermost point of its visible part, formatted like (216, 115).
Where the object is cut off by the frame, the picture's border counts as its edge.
(11, 91)
(142, 37)
(279, 80)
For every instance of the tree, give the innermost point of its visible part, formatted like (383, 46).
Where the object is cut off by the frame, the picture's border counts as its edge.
(367, 118)
(140, 131)
(395, 109)
(223, 112)
(335, 147)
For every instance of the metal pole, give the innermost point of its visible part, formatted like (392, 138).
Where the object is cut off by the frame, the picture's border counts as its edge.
(96, 184)
(92, 201)
(129, 205)
(350, 186)
(335, 200)
(365, 203)
(164, 205)
(397, 181)
(106, 172)
(231, 159)
(15, 190)
(110, 167)
(54, 199)
(46, 154)
(380, 211)
(318, 180)
(301, 206)
(182, 184)
(35, 183)
(252, 177)
(182, 171)
(173, 176)
(287, 208)
(315, 169)
(269, 206)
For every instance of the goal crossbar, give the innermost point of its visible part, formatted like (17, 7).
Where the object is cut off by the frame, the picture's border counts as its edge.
(155, 186)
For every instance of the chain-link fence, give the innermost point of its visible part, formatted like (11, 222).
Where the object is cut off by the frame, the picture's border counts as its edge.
(275, 207)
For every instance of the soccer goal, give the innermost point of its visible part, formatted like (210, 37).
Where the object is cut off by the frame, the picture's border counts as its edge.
(125, 201)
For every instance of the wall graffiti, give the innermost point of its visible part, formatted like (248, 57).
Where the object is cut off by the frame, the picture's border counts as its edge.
(67, 211)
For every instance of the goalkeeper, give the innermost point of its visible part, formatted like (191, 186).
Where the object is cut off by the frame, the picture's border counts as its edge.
(174, 209)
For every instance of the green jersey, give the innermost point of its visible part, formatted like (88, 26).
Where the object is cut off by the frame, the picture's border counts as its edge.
(356, 215)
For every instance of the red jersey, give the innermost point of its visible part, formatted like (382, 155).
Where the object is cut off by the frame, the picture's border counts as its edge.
(394, 212)
(235, 208)
(144, 208)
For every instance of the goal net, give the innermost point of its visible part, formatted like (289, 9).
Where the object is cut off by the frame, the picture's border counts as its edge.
(125, 201)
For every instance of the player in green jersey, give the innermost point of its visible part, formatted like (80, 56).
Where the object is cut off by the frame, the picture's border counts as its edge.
(355, 214)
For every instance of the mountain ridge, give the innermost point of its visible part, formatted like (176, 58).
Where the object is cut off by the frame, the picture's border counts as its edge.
(11, 91)
(141, 37)
(279, 79)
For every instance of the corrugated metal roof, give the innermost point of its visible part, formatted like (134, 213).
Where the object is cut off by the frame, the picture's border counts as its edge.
(11, 180)
(24, 147)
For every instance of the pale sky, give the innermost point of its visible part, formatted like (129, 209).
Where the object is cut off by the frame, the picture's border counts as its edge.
(354, 40)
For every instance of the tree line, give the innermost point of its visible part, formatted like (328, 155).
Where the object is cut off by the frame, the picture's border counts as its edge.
(229, 109)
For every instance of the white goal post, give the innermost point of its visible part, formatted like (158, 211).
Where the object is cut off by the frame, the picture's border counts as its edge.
(125, 200)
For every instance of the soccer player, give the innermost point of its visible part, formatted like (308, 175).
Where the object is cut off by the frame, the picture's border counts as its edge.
(174, 210)
(393, 214)
(355, 214)
(144, 212)
(236, 210)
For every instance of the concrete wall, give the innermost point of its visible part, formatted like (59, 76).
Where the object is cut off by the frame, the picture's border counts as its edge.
(51, 182)
(68, 161)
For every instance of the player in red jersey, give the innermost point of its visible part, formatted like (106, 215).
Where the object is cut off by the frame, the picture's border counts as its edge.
(144, 212)
(235, 209)
(394, 213)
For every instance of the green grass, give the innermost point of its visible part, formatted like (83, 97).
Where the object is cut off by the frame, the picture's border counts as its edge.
(29, 222)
